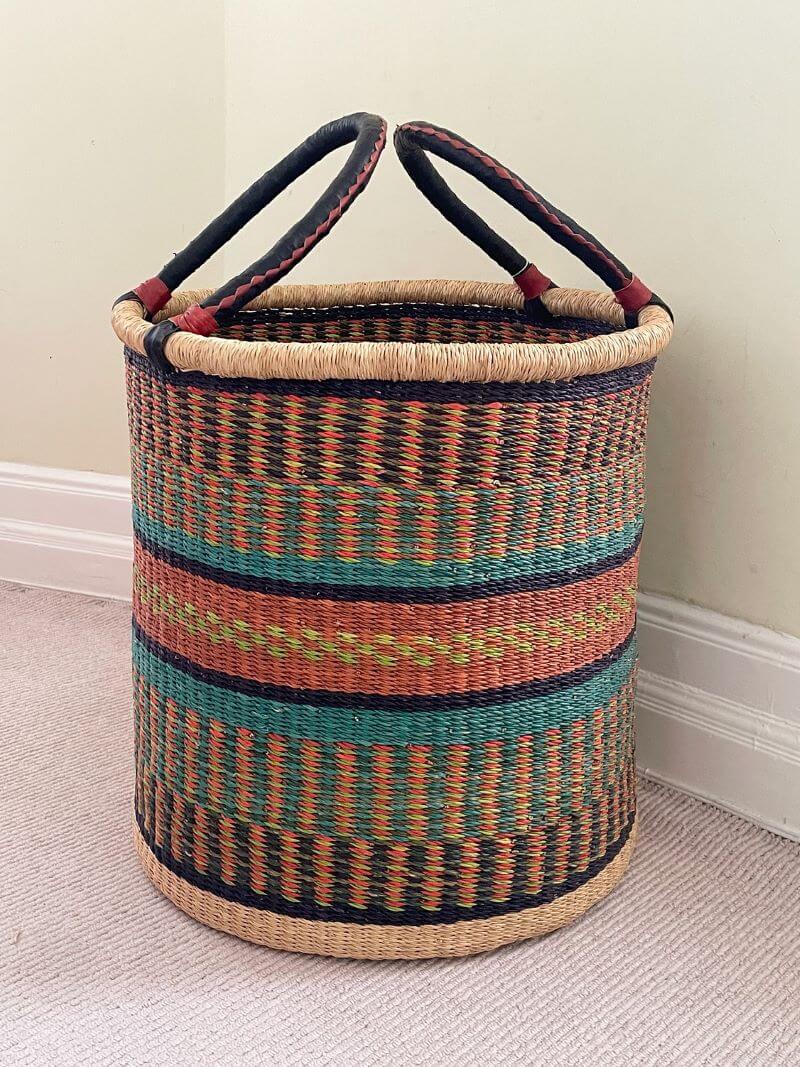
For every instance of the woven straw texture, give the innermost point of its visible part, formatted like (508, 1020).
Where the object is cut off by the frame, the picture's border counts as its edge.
(690, 962)
(410, 356)
(384, 637)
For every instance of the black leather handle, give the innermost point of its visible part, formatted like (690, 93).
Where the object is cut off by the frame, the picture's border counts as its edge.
(369, 134)
(414, 139)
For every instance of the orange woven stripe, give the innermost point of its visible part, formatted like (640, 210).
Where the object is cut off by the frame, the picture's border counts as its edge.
(275, 758)
(467, 893)
(171, 743)
(396, 875)
(227, 850)
(416, 814)
(310, 769)
(190, 756)
(200, 841)
(552, 787)
(504, 869)
(257, 854)
(490, 780)
(536, 860)
(367, 622)
(160, 819)
(176, 828)
(360, 873)
(524, 774)
(244, 773)
(216, 762)
(323, 870)
(455, 789)
(382, 766)
(349, 516)
(290, 866)
(577, 777)
(346, 758)
(432, 876)
(377, 616)
(561, 865)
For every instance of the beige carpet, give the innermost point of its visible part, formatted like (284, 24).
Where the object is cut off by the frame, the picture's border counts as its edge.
(695, 959)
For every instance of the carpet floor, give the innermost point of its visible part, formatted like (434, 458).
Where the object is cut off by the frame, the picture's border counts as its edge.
(694, 959)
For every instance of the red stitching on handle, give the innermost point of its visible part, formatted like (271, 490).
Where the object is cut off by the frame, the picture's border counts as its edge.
(312, 238)
(520, 186)
(153, 294)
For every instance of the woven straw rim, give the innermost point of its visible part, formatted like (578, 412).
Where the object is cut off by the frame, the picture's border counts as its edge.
(404, 361)
(373, 942)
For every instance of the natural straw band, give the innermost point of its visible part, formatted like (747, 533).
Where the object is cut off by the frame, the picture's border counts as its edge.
(462, 938)
(395, 360)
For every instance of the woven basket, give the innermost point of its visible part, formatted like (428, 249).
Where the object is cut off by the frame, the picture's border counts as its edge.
(385, 572)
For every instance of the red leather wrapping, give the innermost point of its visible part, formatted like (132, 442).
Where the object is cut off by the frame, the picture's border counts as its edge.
(634, 295)
(153, 294)
(532, 282)
(196, 319)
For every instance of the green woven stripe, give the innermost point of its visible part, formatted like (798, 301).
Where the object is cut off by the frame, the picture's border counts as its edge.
(575, 793)
(504, 721)
(326, 785)
(371, 572)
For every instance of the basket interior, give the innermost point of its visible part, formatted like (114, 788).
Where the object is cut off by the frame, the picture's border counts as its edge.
(414, 323)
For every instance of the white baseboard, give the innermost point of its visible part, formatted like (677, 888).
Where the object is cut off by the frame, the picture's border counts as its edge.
(718, 703)
(718, 699)
(65, 530)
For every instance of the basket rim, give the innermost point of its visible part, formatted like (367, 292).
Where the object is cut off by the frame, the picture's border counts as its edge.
(402, 360)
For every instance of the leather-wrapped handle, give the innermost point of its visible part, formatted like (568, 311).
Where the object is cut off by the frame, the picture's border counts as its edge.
(369, 134)
(414, 140)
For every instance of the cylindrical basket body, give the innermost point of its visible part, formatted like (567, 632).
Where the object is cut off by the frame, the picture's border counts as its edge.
(386, 547)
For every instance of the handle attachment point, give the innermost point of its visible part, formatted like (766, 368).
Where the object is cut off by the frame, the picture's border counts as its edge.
(415, 140)
(366, 132)
(532, 282)
(153, 295)
(633, 296)
(196, 319)
(154, 341)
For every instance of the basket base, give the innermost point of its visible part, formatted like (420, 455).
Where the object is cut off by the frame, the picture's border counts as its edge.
(374, 942)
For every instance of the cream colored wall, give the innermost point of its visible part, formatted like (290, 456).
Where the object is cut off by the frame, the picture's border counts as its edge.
(112, 156)
(670, 129)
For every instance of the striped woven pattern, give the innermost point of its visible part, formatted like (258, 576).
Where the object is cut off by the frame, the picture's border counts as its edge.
(384, 631)
(412, 322)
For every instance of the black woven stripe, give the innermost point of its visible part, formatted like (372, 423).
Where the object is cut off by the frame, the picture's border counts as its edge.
(418, 310)
(377, 702)
(591, 385)
(450, 594)
(408, 323)
(449, 913)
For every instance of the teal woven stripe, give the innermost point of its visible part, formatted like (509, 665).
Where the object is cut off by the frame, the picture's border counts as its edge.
(254, 802)
(372, 572)
(500, 722)
(241, 517)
